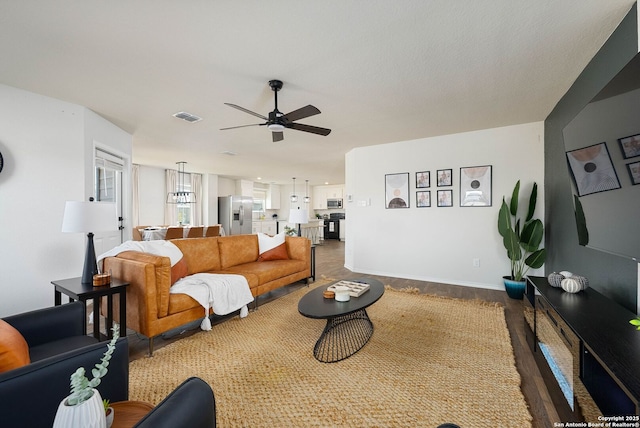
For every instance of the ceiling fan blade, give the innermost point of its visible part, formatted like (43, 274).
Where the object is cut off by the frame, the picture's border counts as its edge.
(242, 126)
(309, 128)
(277, 136)
(246, 111)
(301, 113)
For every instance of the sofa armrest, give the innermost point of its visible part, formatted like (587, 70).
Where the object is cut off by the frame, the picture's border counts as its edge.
(149, 279)
(46, 325)
(47, 382)
(191, 405)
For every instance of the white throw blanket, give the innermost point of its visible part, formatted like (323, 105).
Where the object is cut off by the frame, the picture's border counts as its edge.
(158, 248)
(224, 293)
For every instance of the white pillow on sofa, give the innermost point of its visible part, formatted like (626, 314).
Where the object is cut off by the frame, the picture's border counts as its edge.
(266, 242)
(272, 247)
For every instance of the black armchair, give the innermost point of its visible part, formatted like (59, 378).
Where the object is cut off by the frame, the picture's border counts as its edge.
(190, 405)
(57, 347)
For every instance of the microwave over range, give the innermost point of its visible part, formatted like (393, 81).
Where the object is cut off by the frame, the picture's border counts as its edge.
(334, 203)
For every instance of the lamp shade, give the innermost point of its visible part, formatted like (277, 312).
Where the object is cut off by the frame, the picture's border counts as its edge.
(80, 216)
(298, 216)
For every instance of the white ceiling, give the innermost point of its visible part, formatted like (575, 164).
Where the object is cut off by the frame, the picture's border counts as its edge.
(379, 70)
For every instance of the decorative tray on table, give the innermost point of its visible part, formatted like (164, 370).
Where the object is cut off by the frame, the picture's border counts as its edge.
(355, 288)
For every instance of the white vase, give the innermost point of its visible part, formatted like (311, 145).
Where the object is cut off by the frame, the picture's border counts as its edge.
(88, 414)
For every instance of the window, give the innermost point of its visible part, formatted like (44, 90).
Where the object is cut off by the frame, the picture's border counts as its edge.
(184, 210)
(259, 200)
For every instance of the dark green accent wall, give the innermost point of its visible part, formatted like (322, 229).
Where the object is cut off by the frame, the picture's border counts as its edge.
(613, 276)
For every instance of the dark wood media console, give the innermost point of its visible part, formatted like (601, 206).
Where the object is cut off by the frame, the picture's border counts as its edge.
(586, 350)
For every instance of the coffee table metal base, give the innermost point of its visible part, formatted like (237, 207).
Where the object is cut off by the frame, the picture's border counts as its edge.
(343, 336)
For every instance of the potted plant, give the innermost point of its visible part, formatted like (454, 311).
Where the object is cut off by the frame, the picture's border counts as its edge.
(84, 406)
(522, 241)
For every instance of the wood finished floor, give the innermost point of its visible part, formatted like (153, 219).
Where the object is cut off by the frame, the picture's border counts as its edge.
(330, 264)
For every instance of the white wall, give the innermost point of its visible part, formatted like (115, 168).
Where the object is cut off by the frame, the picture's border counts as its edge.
(46, 148)
(439, 244)
(152, 195)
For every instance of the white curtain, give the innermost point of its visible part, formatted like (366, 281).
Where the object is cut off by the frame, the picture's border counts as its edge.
(170, 212)
(135, 193)
(196, 210)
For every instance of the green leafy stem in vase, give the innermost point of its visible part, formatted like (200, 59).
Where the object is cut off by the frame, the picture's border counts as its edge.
(81, 387)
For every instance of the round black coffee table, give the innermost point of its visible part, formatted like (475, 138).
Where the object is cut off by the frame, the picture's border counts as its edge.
(348, 326)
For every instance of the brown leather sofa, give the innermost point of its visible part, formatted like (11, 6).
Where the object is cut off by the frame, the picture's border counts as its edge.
(152, 310)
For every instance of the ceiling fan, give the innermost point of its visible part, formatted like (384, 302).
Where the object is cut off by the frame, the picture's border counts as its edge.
(277, 121)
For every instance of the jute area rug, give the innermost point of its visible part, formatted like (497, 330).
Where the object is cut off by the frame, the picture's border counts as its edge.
(431, 360)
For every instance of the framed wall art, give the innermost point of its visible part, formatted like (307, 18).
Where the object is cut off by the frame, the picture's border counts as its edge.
(423, 179)
(475, 186)
(396, 190)
(630, 146)
(423, 198)
(444, 177)
(445, 198)
(634, 172)
(592, 169)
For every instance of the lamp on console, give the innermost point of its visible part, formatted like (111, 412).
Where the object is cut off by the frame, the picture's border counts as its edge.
(89, 217)
(299, 217)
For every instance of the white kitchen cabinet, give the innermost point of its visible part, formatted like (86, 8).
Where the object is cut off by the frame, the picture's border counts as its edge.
(319, 201)
(273, 197)
(322, 193)
(269, 227)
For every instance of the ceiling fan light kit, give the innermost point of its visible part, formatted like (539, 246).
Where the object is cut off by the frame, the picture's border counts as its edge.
(276, 121)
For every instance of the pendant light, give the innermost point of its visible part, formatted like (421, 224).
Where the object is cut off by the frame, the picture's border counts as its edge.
(181, 195)
(307, 199)
(294, 197)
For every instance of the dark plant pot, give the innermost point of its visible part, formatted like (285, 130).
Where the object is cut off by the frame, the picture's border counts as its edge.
(515, 289)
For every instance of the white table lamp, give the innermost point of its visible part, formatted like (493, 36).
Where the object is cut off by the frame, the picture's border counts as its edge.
(89, 217)
(298, 216)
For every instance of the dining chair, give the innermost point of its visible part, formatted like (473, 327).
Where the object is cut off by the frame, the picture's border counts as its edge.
(137, 235)
(213, 231)
(196, 232)
(174, 233)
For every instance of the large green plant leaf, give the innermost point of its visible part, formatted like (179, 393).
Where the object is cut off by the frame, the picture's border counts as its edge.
(531, 235)
(536, 259)
(512, 244)
(504, 219)
(514, 199)
(533, 198)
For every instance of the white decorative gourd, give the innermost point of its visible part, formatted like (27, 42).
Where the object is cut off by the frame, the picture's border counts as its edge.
(571, 285)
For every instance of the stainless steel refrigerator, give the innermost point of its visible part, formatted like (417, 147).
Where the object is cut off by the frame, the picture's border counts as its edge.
(234, 214)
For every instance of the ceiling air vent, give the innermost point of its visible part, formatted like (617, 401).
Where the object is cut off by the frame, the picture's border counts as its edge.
(191, 118)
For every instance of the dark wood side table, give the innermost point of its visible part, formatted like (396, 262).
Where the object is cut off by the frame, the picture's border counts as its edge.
(73, 288)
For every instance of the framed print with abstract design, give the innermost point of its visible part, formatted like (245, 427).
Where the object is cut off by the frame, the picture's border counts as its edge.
(445, 198)
(396, 190)
(634, 172)
(630, 146)
(423, 179)
(444, 177)
(423, 198)
(475, 186)
(592, 169)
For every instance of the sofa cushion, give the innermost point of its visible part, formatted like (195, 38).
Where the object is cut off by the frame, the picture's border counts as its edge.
(237, 250)
(201, 254)
(271, 271)
(14, 351)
